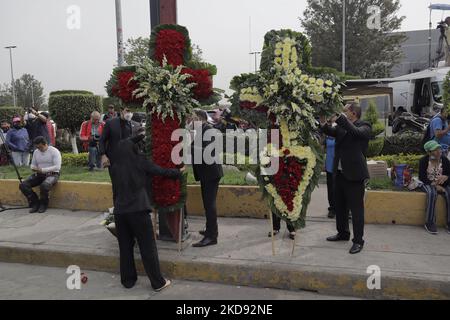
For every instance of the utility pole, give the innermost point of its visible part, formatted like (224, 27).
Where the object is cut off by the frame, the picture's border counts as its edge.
(120, 49)
(256, 59)
(12, 73)
(343, 34)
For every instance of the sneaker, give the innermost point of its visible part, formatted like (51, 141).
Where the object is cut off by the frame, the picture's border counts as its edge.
(431, 228)
(168, 283)
(331, 214)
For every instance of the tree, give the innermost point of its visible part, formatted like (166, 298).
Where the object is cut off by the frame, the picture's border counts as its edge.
(69, 109)
(372, 49)
(136, 50)
(29, 90)
(6, 95)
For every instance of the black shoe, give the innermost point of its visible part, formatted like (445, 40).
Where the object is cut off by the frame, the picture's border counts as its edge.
(431, 228)
(275, 232)
(338, 237)
(331, 214)
(35, 207)
(205, 242)
(292, 235)
(43, 207)
(356, 248)
(129, 284)
(202, 232)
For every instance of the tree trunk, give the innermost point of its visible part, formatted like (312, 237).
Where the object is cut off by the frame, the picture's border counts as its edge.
(73, 140)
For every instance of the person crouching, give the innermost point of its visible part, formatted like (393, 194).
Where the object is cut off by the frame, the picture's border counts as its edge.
(46, 164)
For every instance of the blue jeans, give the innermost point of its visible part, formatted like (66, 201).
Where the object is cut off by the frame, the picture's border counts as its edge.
(432, 196)
(94, 158)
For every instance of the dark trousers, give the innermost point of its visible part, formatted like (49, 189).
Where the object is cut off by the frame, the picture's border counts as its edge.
(131, 226)
(112, 184)
(432, 195)
(45, 182)
(277, 224)
(209, 195)
(349, 195)
(330, 190)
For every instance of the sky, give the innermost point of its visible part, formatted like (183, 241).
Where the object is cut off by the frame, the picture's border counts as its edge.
(83, 58)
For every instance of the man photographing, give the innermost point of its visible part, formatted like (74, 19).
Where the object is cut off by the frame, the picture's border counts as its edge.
(36, 125)
(350, 169)
(46, 165)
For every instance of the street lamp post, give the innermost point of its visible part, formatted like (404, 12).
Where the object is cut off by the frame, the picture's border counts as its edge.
(343, 34)
(120, 49)
(256, 59)
(12, 73)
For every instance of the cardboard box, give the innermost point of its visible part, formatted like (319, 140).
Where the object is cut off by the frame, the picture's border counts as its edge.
(377, 169)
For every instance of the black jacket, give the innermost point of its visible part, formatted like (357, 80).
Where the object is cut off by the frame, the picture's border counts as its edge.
(352, 141)
(112, 134)
(203, 171)
(130, 176)
(423, 166)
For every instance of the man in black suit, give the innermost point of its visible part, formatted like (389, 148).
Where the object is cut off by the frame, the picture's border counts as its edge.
(350, 168)
(209, 176)
(115, 130)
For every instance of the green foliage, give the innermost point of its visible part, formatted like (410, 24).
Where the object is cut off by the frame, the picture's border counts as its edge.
(412, 160)
(321, 72)
(371, 116)
(371, 52)
(54, 93)
(212, 69)
(136, 50)
(70, 110)
(380, 184)
(7, 113)
(75, 160)
(25, 96)
(110, 100)
(405, 143)
(446, 95)
(375, 147)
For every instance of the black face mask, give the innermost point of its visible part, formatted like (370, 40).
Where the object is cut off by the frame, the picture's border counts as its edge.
(17, 126)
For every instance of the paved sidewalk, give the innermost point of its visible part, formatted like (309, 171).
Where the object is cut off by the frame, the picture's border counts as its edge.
(413, 263)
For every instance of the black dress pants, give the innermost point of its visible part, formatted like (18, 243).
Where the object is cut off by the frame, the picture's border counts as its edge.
(277, 224)
(131, 226)
(349, 195)
(209, 195)
(330, 190)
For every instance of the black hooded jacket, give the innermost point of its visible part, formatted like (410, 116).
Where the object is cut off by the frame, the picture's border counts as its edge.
(130, 174)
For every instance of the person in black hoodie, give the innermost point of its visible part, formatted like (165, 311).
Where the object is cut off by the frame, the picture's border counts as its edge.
(130, 174)
(434, 172)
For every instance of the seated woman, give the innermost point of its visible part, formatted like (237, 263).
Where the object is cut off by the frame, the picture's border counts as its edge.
(434, 172)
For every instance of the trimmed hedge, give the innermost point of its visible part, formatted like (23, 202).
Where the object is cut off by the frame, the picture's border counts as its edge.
(70, 110)
(7, 113)
(71, 92)
(375, 147)
(411, 160)
(75, 160)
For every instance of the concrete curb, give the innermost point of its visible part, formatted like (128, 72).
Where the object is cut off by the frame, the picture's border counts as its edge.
(265, 275)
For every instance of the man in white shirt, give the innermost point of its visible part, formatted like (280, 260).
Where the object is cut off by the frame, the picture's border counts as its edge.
(46, 165)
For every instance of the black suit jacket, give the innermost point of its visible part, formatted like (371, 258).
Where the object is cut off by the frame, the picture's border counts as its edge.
(112, 134)
(352, 141)
(203, 171)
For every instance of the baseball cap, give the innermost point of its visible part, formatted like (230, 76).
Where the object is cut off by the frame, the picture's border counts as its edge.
(431, 146)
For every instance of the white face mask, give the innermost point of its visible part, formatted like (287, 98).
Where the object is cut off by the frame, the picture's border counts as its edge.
(128, 116)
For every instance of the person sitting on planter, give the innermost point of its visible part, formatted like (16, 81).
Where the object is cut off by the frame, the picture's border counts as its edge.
(434, 171)
(130, 173)
(46, 165)
(19, 143)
